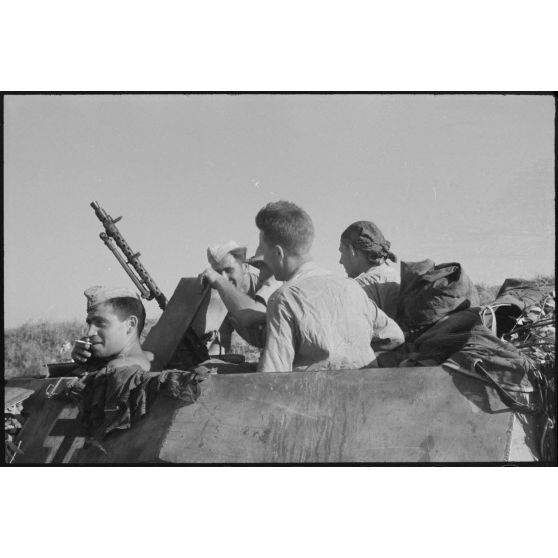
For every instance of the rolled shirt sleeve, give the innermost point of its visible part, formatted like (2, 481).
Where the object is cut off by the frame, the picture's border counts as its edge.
(387, 334)
(279, 352)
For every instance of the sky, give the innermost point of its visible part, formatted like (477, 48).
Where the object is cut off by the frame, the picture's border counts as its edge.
(453, 178)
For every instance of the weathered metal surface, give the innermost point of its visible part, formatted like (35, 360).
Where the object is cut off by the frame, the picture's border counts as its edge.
(385, 415)
(49, 434)
(52, 434)
(188, 307)
(378, 415)
(14, 395)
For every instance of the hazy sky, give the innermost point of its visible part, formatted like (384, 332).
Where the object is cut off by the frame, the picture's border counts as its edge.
(467, 178)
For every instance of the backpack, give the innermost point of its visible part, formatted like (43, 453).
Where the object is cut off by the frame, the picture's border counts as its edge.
(430, 292)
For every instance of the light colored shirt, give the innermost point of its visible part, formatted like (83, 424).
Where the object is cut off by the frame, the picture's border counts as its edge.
(260, 291)
(318, 321)
(381, 284)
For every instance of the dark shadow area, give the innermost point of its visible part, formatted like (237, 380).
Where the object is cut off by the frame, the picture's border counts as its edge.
(478, 393)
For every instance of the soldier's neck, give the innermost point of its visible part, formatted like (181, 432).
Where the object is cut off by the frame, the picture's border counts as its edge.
(294, 263)
(131, 350)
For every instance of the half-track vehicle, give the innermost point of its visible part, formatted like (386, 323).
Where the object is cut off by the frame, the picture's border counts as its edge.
(415, 414)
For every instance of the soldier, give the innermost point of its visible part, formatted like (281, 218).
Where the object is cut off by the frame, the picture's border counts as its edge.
(244, 286)
(315, 320)
(112, 381)
(364, 255)
(115, 320)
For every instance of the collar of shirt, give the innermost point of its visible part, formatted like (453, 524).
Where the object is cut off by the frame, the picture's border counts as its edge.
(378, 271)
(307, 269)
(254, 276)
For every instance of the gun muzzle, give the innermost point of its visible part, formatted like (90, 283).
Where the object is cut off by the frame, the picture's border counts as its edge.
(99, 211)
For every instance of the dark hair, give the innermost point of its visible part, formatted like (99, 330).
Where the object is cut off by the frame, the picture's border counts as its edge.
(286, 224)
(367, 237)
(124, 307)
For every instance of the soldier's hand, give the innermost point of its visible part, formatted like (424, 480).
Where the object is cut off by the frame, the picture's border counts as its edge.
(81, 350)
(209, 277)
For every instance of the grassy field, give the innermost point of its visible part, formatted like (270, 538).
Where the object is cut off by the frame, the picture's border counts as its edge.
(28, 348)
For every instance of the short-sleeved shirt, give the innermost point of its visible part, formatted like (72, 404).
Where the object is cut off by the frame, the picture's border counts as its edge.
(381, 284)
(319, 321)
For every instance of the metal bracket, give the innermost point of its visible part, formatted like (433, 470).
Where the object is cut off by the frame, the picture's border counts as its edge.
(51, 389)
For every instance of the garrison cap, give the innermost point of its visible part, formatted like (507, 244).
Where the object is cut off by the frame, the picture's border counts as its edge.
(97, 295)
(217, 252)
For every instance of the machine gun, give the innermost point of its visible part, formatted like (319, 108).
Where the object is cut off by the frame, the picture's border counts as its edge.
(130, 261)
(191, 349)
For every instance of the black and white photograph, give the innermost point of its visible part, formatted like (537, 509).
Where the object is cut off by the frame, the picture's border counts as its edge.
(242, 278)
(279, 278)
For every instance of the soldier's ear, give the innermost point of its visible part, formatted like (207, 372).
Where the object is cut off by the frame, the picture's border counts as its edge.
(279, 252)
(132, 323)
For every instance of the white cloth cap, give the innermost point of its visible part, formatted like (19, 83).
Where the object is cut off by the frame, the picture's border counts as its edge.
(217, 252)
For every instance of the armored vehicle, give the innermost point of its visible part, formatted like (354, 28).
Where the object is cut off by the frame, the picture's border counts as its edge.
(436, 413)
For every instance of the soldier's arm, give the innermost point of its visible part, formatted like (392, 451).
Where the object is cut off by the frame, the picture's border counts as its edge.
(279, 352)
(387, 334)
(246, 311)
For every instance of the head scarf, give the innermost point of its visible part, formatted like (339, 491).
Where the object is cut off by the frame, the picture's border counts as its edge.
(366, 236)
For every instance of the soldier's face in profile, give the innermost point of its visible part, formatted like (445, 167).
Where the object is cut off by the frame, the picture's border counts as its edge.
(107, 333)
(348, 259)
(271, 257)
(265, 272)
(234, 271)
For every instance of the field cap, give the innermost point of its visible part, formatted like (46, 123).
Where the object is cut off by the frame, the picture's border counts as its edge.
(257, 260)
(98, 294)
(217, 252)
